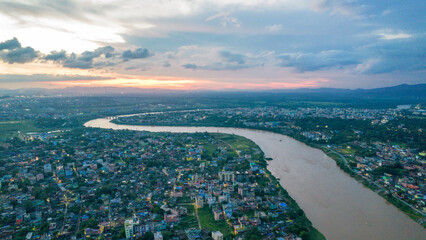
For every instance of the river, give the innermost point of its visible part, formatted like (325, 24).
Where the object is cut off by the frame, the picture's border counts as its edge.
(338, 206)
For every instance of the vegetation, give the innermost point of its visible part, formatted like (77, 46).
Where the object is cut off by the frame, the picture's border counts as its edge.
(207, 222)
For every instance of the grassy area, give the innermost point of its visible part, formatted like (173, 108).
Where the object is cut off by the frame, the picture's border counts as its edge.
(207, 222)
(189, 221)
(11, 128)
(237, 142)
(240, 144)
(346, 151)
(209, 148)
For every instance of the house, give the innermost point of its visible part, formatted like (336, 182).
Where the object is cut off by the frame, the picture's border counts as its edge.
(199, 202)
(216, 235)
(218, 215)
(171, 218)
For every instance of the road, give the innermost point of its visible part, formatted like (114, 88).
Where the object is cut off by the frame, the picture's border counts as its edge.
(196, 215)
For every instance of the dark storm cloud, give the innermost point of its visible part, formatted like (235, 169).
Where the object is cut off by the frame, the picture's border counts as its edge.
(138, 53)
(10, 44)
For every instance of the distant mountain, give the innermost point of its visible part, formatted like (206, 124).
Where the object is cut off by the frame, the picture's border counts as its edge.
(402, 92)
(418, 90)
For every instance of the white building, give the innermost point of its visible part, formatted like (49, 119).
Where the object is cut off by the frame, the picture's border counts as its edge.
(216, 235)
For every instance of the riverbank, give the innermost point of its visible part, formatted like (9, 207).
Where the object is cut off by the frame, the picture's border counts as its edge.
(343, 165)
(339, 159)
(401, 205)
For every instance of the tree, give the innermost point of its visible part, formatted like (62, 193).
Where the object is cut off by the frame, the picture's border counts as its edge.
(29, 207)
(167, 235)
(148, 236)
(304, 235)
(253, 233)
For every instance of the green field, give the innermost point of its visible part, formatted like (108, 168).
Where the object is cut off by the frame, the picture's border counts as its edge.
(189, 221)
(207, 222)
(240, 144)
(11, 128)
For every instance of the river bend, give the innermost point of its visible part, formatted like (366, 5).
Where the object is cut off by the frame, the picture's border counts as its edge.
(338, 206)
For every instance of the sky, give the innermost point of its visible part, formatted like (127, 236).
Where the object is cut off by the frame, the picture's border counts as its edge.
(213, 45)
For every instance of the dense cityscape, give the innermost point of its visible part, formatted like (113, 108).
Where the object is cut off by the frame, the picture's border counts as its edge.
(116, 185)
(60, 180)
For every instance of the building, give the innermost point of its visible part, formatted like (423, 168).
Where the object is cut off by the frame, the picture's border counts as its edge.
(216, 235)
(199, 201)
(218, 215)
(171, 218)
(226, 176)
(128, 227)
(193, 233)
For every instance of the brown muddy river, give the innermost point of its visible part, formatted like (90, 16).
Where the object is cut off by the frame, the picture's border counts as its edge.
(338, 206)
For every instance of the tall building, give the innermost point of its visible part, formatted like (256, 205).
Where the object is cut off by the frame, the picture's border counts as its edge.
(129, 226)
(226, 176)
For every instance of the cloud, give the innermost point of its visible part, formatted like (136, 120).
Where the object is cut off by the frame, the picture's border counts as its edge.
(90, 55)
(73, 61)
(349, 8)
(20, 55)
(84, 60)
(10, 44)
(16, 78)
(12, 52)
(274, 28)
(226, 19)
(191, 66)
(232, 57)
(217, 66)
(306, 62)
(392, 35)
(138, 53)
(392, 56)
(56, 56)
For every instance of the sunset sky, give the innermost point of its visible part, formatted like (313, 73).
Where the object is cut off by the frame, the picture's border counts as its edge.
(204, 44)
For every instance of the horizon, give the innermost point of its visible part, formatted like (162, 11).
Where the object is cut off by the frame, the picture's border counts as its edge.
(212, 45)
(212, 90)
